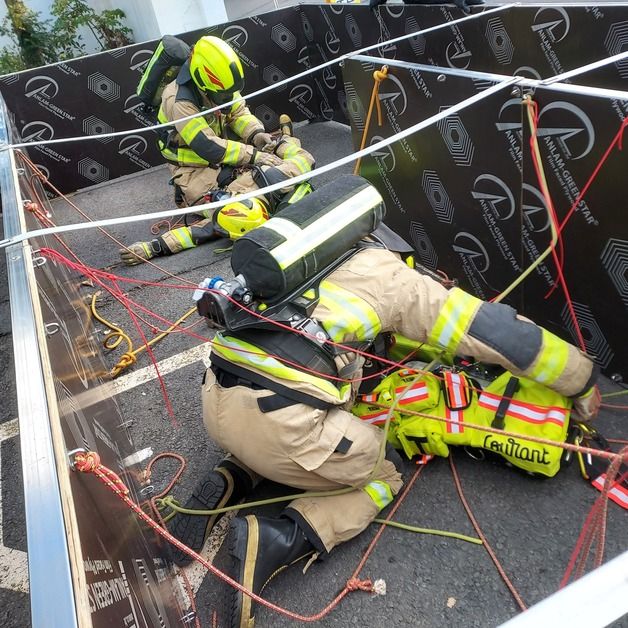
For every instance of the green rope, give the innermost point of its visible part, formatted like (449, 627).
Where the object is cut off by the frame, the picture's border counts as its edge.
(453, 535)
(615, 394)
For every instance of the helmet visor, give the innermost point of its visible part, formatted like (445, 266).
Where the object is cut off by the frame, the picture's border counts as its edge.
(220, 97)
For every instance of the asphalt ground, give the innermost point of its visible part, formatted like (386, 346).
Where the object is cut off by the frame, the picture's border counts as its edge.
(531, 524)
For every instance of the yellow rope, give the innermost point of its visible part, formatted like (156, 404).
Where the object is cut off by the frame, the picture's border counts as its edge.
(535, 147)
(378, 77)
(116, 335)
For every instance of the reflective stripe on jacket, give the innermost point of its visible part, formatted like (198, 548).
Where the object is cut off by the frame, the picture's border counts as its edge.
(201, 141)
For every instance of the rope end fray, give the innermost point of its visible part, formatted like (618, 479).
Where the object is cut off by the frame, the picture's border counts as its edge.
(378, 587)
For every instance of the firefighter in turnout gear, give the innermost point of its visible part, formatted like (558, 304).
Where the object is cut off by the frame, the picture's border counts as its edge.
(279, 402)
(227, 152)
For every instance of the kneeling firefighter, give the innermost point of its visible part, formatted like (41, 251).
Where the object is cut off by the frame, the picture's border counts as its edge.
(279, 402)
(217, 155)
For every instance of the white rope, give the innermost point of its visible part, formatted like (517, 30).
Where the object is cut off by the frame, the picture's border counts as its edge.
(585, 68)
(263, 90)
(277, 186)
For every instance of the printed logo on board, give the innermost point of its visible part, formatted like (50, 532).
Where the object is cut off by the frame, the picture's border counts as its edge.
(437, 196)
(133, 147)
(103, 86)
(41, 86)
(594, 339)
(95, 126)
(456, 138)
(498, 204)
(458, 57)
(329, 78)
(355, 108)
(303, 57)
(306, 25)
(332, 41)
(494, 195)
(472, 250)
(551, 23)
(474, 260)
(499, 40)
(140, 59)
(93, 170)
(417, 42)
(39, 131)
(135, 107)
(393, 11)
(386, 163)
(235, 35)
(272, 74)
(527, 71)
(385, 48)
(575, 135)
(385, 155)
(43, 89)
(300, 95)
(616, 42)
(353, 30)
(283, 37)
(614, 259)
(423, 245)
(535, 213)
(396, 99)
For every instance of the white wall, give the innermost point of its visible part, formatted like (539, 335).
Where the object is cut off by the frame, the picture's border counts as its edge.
(150, 19)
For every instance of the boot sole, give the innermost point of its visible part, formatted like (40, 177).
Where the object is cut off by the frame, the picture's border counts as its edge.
(192, 530)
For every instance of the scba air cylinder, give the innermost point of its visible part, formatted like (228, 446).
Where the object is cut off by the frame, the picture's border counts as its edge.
(171, 53)
(304, 238)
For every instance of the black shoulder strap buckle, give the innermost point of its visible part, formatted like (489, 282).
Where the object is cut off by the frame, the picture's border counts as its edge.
(511, 388)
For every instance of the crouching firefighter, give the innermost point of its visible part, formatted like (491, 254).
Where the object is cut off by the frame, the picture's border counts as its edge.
(217, 155)
(278, 398)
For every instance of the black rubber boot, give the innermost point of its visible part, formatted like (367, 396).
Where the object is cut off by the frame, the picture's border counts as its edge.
(260, 548)
(226, 485)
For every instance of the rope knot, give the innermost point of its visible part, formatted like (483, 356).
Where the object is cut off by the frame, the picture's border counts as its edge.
(126, 360)
(87, 462)
(355, 584)
(381, 75)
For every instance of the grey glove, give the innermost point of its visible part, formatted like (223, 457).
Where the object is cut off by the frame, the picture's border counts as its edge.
(139, 252)
(264, 142)
(587, 406)
(265, 159)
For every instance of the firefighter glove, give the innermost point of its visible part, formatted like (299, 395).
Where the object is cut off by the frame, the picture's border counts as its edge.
(265, 159)
(139, 252)
(587, 406)
(264, 142)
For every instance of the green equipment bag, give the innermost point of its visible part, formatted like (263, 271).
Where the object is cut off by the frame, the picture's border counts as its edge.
(516, 405)
(171, 53)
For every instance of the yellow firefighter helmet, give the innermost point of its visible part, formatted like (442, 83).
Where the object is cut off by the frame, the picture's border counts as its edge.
(235, 219)
(216, 69)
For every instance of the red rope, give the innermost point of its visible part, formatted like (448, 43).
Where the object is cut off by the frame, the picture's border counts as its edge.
(594, 528)
(89, 462)
(489, 549)
(553, 217)
(617, 140)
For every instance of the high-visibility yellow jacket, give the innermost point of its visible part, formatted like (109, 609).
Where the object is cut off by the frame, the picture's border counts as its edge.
(202, 141)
